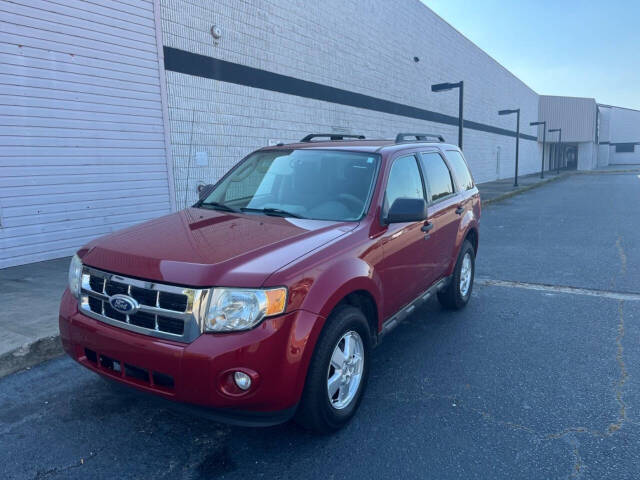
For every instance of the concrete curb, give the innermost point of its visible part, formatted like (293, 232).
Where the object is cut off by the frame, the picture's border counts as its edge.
(524, 189)
(607, 172)
(30, 354)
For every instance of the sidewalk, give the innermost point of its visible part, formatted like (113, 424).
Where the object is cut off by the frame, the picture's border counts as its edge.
(497, 190)
(492, 192)
(30, 294)
(629, 168)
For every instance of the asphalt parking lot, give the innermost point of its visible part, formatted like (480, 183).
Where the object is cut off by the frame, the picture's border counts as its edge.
(532, 380)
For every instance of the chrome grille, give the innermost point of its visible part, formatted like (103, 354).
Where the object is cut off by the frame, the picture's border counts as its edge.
(164, 311)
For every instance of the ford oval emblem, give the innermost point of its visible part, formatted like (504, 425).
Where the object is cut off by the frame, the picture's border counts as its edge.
(124, 304)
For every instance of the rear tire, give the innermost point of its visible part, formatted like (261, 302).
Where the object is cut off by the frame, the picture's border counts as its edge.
(456, 295)
(340, 364)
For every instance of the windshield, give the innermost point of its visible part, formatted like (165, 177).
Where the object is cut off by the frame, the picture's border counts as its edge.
(315, 184)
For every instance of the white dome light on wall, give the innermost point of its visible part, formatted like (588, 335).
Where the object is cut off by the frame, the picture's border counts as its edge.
(216, 32)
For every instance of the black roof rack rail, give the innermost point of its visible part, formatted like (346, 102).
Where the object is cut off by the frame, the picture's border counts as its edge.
(332, 136)
(402, 137)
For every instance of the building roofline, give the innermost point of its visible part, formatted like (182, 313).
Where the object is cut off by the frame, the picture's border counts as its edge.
(476, 46)
(615, 106)
(570, 96)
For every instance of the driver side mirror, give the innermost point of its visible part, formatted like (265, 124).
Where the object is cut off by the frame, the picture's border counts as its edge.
(407, 210)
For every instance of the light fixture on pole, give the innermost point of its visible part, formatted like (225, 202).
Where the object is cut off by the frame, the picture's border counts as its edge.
(445, 87)
(544, 141)
(509, 112)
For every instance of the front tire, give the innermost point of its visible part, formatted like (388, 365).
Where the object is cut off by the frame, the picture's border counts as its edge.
(457, 294)
(338, 372)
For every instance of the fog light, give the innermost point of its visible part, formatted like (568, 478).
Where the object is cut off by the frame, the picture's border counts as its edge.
(243, 381)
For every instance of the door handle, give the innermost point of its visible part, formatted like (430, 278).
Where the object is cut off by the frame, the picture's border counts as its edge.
(427, 227)
(460, 210)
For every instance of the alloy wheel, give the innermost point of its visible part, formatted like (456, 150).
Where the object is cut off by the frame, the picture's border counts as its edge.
(466, 272)
(344, 374)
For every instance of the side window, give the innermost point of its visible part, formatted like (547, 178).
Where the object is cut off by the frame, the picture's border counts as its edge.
(404, 181)
(437, 175)
(460, 169)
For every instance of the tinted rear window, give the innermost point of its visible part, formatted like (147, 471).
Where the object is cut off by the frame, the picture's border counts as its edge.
(460, 169)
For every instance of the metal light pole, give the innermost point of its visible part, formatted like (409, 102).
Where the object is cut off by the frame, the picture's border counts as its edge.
(444, 87)
(544, 141)
(509, 112)
(559, 130)
(560, 152)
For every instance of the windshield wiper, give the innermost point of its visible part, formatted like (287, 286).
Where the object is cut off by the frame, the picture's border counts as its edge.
(272, 211)
(217, 206)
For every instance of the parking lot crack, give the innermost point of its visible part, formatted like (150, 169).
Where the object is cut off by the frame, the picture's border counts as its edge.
(623, 262)
(623, 256)
(572, 430)
(510, 425)
(577, 462)
(43, 474)
(622, 415)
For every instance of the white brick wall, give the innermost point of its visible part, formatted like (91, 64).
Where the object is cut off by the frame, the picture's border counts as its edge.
(364, 47)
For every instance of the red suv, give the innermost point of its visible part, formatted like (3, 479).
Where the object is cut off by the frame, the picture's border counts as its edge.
(263, 300)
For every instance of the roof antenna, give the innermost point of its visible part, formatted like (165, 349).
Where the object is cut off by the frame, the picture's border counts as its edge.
(186, 187)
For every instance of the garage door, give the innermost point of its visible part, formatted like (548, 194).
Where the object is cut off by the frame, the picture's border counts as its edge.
(82, 149)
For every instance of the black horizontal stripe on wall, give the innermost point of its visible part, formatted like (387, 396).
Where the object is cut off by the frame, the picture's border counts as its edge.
(181, 61)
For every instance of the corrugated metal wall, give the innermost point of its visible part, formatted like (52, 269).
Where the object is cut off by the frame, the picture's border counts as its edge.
(625, 125)
(625, 129)
(576, 116)
(82, 149)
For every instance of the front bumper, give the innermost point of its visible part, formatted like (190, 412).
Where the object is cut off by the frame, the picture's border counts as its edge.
(276, 354)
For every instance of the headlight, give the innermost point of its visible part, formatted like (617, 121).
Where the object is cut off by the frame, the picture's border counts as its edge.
(241, 309)
(75, 276)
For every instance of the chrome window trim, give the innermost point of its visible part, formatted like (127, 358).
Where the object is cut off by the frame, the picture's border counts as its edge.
(197, 301)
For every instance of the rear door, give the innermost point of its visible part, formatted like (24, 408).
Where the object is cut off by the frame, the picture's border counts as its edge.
(467, 191)
(444, 212)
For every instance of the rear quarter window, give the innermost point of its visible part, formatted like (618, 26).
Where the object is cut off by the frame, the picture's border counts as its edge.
(460, 170)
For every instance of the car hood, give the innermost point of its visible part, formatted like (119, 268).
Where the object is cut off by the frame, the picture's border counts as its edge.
(198, 247)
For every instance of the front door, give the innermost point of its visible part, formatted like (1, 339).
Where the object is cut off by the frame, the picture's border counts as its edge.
(405, 262)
